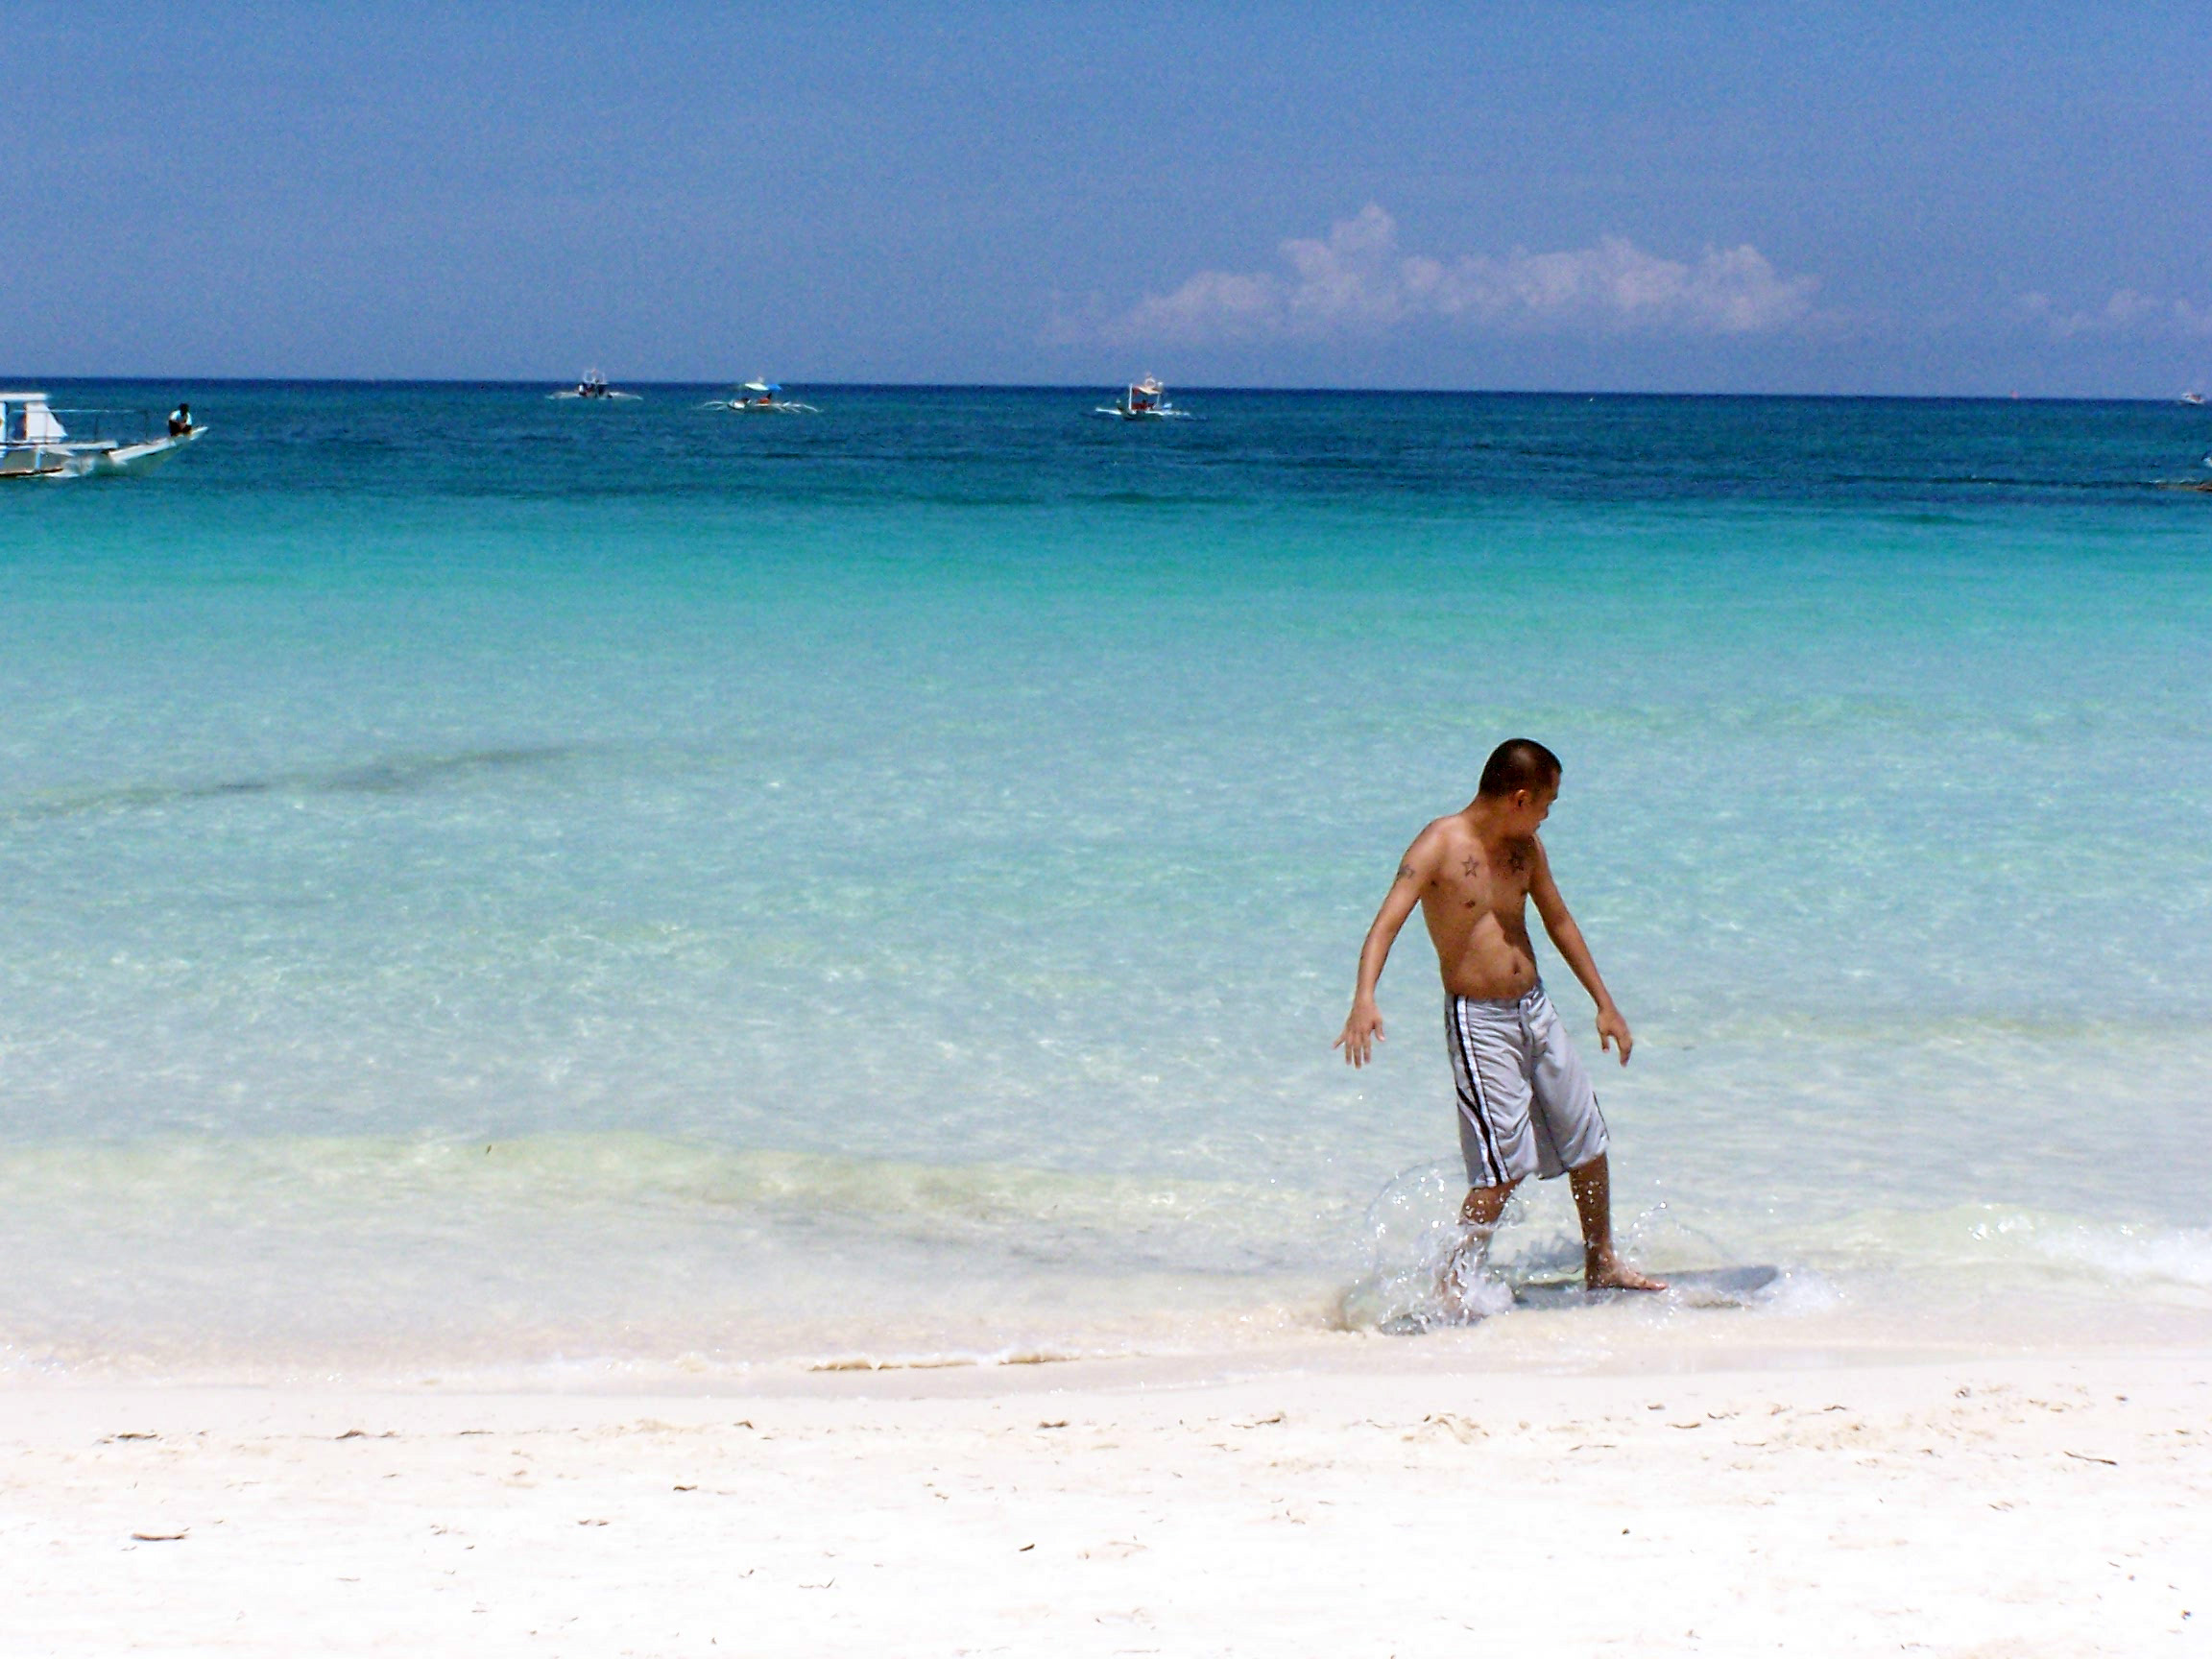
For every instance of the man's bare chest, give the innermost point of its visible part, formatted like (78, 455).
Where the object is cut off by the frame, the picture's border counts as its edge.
(1474, 880)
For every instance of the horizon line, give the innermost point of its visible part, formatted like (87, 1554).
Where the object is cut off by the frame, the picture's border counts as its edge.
(32, 381)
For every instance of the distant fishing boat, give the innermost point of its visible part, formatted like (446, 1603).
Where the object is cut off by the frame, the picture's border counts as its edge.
(593, 388)
(1145, 399)
(760, 398)
(2194, 398)
(33, 444)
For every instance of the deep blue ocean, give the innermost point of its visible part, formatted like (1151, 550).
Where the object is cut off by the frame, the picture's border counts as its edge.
(491, 884)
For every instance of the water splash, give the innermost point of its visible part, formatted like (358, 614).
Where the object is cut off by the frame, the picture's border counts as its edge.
(1424, 1271)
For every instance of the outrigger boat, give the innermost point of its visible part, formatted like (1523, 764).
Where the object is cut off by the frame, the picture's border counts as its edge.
(593, 389)
(1145, 399)
(33, 444)
(760, 398)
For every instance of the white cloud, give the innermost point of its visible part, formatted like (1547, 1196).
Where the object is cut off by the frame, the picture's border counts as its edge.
(2125, 312)
(1358, 278)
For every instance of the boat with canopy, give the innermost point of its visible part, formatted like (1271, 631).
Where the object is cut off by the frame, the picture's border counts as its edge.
(1144, 399)
(593, 388)
(761, 398)
(34, 444)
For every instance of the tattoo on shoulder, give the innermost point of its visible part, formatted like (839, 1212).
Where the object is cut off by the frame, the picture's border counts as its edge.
(1405, 868)
(1471, 867)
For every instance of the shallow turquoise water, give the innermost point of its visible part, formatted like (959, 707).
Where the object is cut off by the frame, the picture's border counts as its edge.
(889, 879)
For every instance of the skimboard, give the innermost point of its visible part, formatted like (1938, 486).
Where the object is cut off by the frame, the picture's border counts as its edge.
(1699, 1287)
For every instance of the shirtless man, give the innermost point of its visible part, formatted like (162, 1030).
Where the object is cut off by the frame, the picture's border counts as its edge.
(1526, 1104)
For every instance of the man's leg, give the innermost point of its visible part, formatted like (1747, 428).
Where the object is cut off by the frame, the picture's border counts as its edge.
(1464, 1287)
(1601, 1269)
(1485, 1204)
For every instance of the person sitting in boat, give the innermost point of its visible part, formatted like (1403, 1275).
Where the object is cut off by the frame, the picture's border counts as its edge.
(179, 420)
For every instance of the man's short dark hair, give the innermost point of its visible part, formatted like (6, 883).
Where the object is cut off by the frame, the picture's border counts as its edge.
(1519, 763)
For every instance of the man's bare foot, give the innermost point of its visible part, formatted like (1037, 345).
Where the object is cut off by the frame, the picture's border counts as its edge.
(1616, 1275)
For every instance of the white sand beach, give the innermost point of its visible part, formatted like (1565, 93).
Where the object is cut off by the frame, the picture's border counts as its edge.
(1375, 1498)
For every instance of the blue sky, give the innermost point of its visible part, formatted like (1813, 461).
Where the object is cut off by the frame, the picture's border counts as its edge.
(1793, 198)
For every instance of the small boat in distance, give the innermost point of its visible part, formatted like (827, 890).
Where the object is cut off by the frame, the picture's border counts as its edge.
(760, 398)
(33, 444)
(593, 388)
(2195, 398)
(1145, 399)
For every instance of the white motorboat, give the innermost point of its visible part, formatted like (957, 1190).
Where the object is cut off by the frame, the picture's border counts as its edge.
(34, 443)
(1145, 399)
(760, 398)
(2193, 399)
(593, 388)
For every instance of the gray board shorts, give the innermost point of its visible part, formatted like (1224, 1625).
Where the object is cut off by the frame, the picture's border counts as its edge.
(1527, 1106)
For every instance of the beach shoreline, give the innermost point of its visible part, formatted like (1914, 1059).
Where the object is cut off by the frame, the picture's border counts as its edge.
(1395, 1500)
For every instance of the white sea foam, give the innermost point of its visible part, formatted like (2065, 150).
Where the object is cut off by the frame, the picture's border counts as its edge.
(606, 1258)
(613, 1250)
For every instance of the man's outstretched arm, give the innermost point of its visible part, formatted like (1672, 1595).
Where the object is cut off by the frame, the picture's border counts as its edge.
(1612, 1028)
(1363, 1026)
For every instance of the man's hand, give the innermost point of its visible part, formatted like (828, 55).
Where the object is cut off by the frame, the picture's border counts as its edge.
(1611, 1029)
(1362, 1030)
